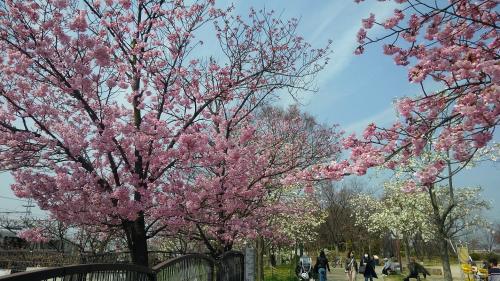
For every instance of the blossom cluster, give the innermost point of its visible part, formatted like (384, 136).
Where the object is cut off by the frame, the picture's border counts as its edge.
(455, 47)
(108, 117)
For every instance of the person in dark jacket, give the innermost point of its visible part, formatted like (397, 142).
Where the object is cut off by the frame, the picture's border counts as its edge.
(415, 269)
(322, 265)
(369, 265)
(351, 266)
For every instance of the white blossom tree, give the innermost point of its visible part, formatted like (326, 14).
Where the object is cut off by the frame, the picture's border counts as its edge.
(423, 212)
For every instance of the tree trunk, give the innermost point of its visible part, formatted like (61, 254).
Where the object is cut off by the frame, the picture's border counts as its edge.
(259, 276)
(443, 244)
(398, 254)
(136, 240)
(445, 260)
(407, 250)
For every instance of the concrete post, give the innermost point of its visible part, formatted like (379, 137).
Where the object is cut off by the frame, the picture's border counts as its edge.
(249, 263)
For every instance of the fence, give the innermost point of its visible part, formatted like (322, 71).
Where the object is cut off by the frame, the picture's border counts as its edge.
(86, 272)
(231, 267)
(191, 267)
(19, 260)
(154, 257)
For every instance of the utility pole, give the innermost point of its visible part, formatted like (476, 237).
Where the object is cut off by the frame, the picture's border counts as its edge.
(28, 206)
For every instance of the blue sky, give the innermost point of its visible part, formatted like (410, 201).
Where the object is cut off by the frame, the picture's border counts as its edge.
(353, 90)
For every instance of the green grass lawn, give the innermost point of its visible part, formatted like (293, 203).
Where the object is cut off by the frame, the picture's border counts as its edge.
(279, 273)
(395, 277)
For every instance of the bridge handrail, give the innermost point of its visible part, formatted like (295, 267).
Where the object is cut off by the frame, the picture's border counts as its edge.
(175, 260)
(54, 272)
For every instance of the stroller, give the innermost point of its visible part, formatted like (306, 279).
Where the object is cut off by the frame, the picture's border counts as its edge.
(304, 269)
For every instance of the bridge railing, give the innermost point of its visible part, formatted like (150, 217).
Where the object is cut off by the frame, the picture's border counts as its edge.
(19, 260)
(189, 267)
(86, 272)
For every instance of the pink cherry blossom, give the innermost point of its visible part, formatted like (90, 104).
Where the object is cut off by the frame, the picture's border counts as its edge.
(459, 56)
(80, 22)
(361, 36)
(108, 118)
(405, 107)
(36, 235)
(368, 22)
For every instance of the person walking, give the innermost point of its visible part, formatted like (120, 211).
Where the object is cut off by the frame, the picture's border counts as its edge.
(322, 265)
(368, 266)
(351, 266)
(494, 270)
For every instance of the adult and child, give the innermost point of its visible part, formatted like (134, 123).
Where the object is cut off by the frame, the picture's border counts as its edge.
(305, 271)
(367, 267)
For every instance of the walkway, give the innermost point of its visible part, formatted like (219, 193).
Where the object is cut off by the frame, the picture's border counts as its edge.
(338, 274)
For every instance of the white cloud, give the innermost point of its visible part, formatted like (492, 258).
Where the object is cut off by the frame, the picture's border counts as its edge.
(381, 118)
(331, 13)
(344, 43)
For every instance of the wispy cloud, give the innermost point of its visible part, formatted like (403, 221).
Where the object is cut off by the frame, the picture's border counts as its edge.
(382, 118)
(331, 14)
(345, 44)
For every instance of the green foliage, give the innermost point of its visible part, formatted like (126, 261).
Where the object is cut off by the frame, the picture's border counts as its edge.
(475, 256)
(436, 261)
(483, 256)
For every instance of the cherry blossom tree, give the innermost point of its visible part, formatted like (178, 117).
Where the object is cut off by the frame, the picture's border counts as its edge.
(248, 175)
(107, 116)
(452, 46)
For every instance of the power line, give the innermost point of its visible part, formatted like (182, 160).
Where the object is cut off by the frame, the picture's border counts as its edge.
(13, 210)
(12, 198)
